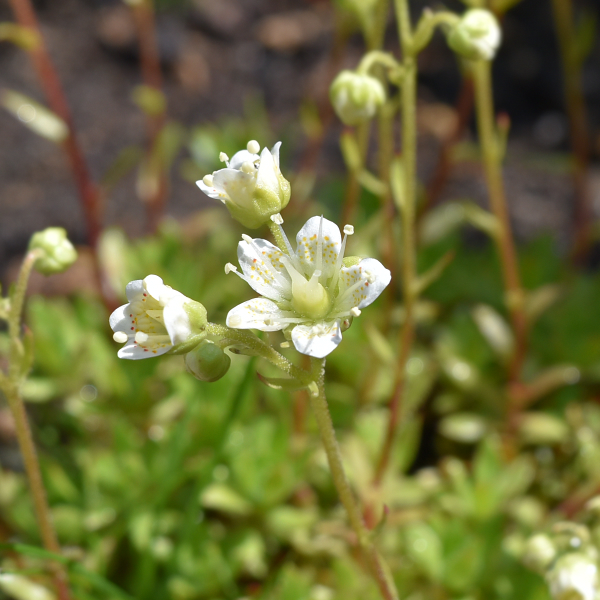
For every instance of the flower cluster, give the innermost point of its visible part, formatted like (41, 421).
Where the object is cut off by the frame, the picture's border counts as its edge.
(311, 293)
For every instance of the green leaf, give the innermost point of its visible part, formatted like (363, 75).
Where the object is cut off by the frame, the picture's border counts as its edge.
(35, 116)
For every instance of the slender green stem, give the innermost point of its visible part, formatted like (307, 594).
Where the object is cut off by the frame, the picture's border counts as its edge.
(278, 236)
(10, 386)
(377, 57)
(353, 185)
(321, 411)
(18, 297)
(506, 248)
(260, 348)
(407, 203)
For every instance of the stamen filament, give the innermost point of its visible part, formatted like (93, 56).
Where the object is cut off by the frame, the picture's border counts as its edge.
(348, 230)
(351, 289)
(320, 246)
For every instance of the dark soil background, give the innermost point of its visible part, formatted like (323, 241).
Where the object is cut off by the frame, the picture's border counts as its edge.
(216, 54)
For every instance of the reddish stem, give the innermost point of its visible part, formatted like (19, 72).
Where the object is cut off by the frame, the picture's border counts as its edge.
(143, 13)
(88, 192)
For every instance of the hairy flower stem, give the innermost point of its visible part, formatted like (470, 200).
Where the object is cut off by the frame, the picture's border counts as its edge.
(571, 68)
(260, 348)
(278, 236)
(320, 408)
(10, 386)
(353, 188)
(492, 161)
(407, 203)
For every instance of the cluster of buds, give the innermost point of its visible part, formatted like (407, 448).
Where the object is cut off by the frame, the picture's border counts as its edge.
(568, 559)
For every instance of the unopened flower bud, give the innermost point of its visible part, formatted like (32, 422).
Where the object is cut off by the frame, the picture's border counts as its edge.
(539, 553)
(356, 97)
(476, 36)
(207, 362)
(58, 252)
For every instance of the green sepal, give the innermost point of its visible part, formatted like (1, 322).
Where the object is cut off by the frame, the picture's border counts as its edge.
(188, 345)
(287, 384)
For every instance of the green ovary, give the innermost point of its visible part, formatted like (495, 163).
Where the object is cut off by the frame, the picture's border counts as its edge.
(310, 298)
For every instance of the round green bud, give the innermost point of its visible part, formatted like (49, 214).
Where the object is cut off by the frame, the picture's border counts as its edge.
(476, 36)
(58, 252)
(207, 362)
(356, 97)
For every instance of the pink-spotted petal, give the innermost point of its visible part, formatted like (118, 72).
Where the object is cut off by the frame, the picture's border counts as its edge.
(361, 284)
(212, 192)
(317, 340)
(308, 246)
(261, 263)
(133, 351)
(258, 313)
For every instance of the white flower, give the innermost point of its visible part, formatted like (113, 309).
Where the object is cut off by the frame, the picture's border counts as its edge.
(309, 290)
(574, 577)
(156, 319)
(251, 187)
(477, 35)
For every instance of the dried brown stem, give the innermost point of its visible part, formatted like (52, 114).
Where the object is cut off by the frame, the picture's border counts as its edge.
(88, 192)
(143, 12)
(571, 68)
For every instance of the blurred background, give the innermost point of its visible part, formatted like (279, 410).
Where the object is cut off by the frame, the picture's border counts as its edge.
(268, 64)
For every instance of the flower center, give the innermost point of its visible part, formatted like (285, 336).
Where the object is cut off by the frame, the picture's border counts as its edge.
(309, 298)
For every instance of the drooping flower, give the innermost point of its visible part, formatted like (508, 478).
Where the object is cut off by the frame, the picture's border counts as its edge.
(58, 254)
(356, 96)
(311, 291)
(157, 319)
(251, 187)
(574, 576)
(477, 35)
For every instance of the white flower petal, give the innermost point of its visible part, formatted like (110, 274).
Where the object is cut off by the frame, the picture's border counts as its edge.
(361, 284)
(134, 289)
(239, 158)
(212, 192)
(258, 313)
(275, 153)
(235, 185)
(307, 240)
(154, 286)
(267, 172)
(177, 321)
(317, 340)
(119, 320)
(261, 263)
(133, 351)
